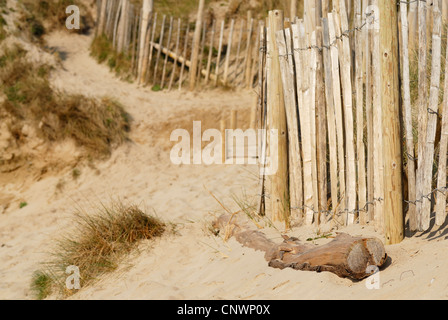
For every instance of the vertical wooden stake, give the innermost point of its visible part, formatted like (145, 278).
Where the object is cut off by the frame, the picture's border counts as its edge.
(422, 104)
(218, 59)
(238, 51)
(293, 14)
(181, 77)
(201, 55)
(338, 112)
(440, 208)
(360, 147)
(303, 71)
(279, 191)
(102, 18)
(345, 57)
(159, 52)
(229, 51)
(390, 101)
(289, 89)
(146, 15)
(331, 120)
(210, 53)
(407, 121)
(176, 51)
(196, 43)
(247, 59)
(147, 62)
(428, 161)
(168, 43)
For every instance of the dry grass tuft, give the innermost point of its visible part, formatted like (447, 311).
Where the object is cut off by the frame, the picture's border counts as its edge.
(96, 125)
(97, 244)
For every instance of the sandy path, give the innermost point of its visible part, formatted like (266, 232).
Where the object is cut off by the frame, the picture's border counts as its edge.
(191, 263)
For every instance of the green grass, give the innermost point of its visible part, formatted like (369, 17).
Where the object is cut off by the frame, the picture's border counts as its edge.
(97, 244)
(121, 63)
(41, 284)
(23, 205)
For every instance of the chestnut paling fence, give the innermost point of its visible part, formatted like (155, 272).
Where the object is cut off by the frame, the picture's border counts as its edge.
(319, 81)
(320, 86)
(163, 50)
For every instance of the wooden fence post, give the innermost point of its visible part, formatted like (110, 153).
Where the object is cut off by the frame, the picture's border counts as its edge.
(390, 101)
(279, 192)
(196, 44)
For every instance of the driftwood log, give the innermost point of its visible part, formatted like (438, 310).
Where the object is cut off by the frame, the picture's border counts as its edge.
(345, 256)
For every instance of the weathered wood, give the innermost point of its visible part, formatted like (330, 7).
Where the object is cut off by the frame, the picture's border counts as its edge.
(331, 120)
(135, 44)
(147, 10)
(321, 126)
(422, 105)
(345, 65)
(102, 18)
(294, 153)
(378, 166)
(338, 112)
(445, 11)
(428, 160)
(262, 118)
(360, 147)
(182, 69)
(237, 59)
(168, 44)
(310, 96)
(176, 51)
(407, 114)
(413, 25)
(279, 192)
(249, 52)
(302, 80)
(218, 59)
(201, 54)
(146, 70)
(229, 51)
(345, 256)
(210, 53)
(440, 207)
(293, 13)
(196, 44)
(390, 101)
(122, 26)
(159, 50)
(368, 79)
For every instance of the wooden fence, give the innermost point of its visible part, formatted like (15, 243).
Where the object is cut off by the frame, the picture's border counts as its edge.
(164, 50)
(321, 82)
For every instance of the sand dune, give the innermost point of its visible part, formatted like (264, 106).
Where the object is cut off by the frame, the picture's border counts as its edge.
(190, 263)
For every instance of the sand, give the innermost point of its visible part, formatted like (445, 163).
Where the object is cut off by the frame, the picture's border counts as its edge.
(189, 263)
